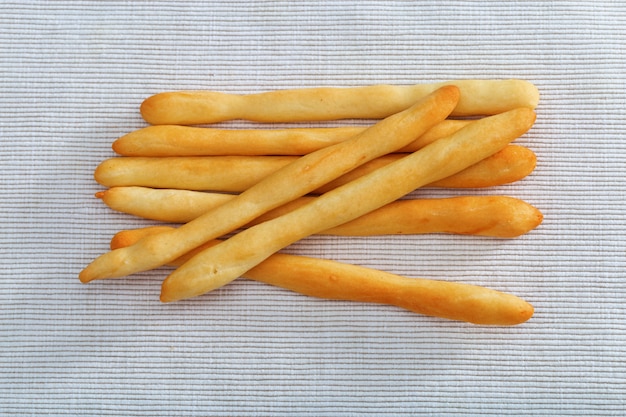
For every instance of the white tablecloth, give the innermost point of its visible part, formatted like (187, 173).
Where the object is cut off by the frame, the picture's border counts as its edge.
(72, 77)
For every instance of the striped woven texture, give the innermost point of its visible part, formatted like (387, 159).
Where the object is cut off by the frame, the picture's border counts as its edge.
(72, 77)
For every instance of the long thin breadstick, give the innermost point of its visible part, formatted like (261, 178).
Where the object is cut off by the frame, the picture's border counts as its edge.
(200, 173)
(171, 140)
(238, 173)
(506, 166)
(338, 281)
(295, 180)
(478, 97)
(510, 164)
(497, 216)
(223, 263)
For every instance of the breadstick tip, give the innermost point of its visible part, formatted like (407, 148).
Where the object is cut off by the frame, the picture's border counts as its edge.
(532, 93)
(525, 312)
(121, 240)
(84, 276)
(149, 106)
(452, 90)
(126, 238)
(167, 292)
(526, 113)
(502, 309)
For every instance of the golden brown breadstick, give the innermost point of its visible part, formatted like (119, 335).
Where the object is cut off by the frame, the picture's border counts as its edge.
(510, 164)
(215, 173)
(497, 216)
(170, 140)
(337, 281)
(295, 180)
(334, 280)
(226, 261)
(238, 173)
(478, 97)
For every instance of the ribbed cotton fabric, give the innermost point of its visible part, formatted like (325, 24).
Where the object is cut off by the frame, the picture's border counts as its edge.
(72, 77)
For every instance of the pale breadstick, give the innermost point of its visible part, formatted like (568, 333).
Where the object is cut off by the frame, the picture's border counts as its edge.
(165, 205)
(224, 262)
(497, 216)
(238, 173)
(295, 180)
(478, 97)
(338, 281)
(170, 140)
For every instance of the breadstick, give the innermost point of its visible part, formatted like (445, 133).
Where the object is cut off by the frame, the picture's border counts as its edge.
(338, 281)
(510, 164)
(219, 265)
(238, 173)
(497, 216)
(478, 97)
(295, 180)
(334, 280)
(215, 173)
(170, 140)
(165, 205)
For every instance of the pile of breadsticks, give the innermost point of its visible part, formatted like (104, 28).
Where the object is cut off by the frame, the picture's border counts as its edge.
(268, 188)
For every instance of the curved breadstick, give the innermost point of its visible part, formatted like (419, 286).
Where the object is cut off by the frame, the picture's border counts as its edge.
(295, 180)
(223, 263)
(238, 173)
(478, 97)
(497, 216)
(338, 281)
(171, 140)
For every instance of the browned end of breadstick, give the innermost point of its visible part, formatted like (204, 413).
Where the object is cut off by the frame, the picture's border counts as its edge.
(511, 164)
(126, 238)
(508, 165)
